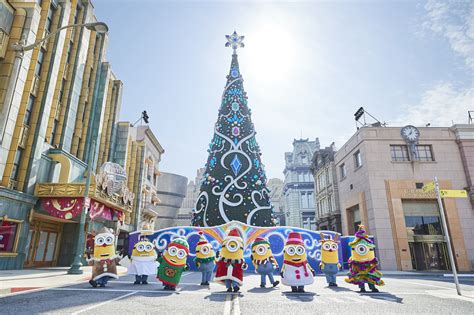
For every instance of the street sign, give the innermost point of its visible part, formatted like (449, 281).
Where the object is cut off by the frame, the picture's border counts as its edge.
(428, 187)
(453, 193)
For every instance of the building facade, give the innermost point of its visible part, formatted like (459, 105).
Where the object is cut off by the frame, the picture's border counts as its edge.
(139, 152)
(298, 187)
(380, 176)
(171, 190)
(59, 109)
(275, 185)
(328, 213)
(192, 192)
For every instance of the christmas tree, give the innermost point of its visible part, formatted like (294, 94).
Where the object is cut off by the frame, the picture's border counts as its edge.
(233, 186)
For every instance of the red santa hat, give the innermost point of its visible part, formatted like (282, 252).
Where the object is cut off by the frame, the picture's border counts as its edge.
(294, 238)
(202, 239)
(234, 235)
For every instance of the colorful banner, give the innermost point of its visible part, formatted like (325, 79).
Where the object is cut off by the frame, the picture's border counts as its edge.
(100, 211)
(63, 207)
(276, 235)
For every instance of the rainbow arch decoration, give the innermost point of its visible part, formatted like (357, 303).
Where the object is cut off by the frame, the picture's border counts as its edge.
(276, 235)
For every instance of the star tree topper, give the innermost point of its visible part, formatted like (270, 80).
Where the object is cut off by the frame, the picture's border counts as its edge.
(235, 41)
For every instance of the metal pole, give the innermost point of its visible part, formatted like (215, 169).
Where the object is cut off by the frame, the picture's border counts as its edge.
(77, 264)
(446, 235)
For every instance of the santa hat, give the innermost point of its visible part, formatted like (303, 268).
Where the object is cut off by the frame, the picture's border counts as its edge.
(234, 234)
(180, 242)
(202, 239)
(294, 238)
(259, 241)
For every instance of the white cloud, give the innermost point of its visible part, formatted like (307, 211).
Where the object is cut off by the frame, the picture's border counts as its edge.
(441, 105)
(453, 20)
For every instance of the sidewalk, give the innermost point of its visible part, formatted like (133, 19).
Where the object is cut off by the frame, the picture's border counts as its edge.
(12, 281)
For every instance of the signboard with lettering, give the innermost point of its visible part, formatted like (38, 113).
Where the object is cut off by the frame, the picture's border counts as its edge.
(445, 193)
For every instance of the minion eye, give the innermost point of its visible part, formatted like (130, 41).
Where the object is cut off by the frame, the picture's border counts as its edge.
(173, 251)
(232, 246)
(334, 246)
(181, 254)
(326, 246)
(291, 251)
(109, 240)
(148, 248)
(300, 250)
(99, 240)
(361, 249)
(140, 247)
(205, 250)
(261, 250)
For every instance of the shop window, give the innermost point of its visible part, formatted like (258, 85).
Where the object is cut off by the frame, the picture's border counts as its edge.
(9, 231)
(424, 225)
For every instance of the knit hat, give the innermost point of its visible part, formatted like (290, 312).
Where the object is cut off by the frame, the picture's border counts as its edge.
(260, 240)
(202, 239)
(180, 242)
(295, 239)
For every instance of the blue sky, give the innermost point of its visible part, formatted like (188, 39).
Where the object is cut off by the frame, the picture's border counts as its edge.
(307, 67)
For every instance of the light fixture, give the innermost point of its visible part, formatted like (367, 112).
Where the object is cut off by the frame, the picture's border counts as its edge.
(99, 27)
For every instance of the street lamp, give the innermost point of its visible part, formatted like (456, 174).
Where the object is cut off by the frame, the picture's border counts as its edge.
(99, 27)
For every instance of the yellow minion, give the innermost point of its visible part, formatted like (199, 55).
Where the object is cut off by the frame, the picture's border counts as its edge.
(104, 260)
(296, 271)
(330, 258)
(363, 263)
(263, 261)
(205, 259)
(231, 264)
(173, 263)
(143, 261)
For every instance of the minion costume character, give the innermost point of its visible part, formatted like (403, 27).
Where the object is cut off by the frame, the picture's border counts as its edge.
(329, 264)
(231, 264)
(173, 263)
(363, 263)
(296, 271)
(264, 261)
(143, 261)
(205, 259)
(104, 260)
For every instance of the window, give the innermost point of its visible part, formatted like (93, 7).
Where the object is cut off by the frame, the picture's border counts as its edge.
(399, 153)
(342, 170)
(9, 230)
(29, 108)
(61, 91)
(49, 19)
(424, 153)
(39, 62)
(16, 163)
(357, 159)
(307, 200)
(69, 50)
(53, 133)
(422, 217)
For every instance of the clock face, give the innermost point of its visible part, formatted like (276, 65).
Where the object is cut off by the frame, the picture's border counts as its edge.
(410, 133)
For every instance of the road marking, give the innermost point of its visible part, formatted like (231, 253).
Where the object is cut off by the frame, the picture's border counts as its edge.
(104, 303)
(235, 305)
(424, 284)
(228, 304)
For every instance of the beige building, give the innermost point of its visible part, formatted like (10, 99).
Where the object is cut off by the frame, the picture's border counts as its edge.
(380, 176)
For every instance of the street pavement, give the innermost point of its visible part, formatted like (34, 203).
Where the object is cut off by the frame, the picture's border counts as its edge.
(400, 295)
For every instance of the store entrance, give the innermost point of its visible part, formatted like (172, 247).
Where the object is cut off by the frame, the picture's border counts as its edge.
(429, 255)
(43, 243)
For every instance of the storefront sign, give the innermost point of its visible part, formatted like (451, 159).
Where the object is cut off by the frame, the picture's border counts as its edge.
(418, 194)
(63, 207)
(8, 231)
